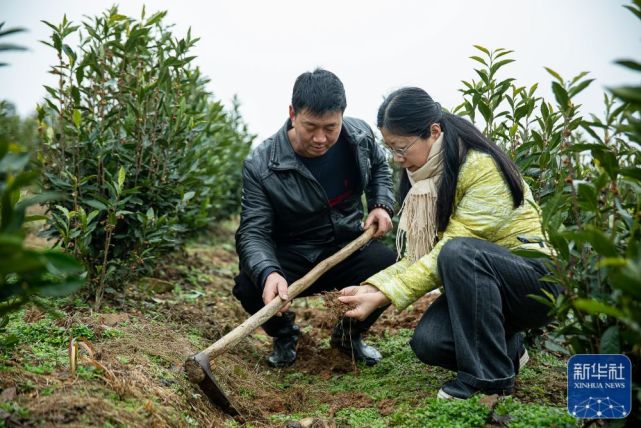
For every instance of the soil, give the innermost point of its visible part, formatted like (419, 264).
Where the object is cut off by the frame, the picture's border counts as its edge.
(333, 307)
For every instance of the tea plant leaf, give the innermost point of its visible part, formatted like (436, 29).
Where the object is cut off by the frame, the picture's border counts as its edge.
(96, 204)
(554, 74)
(610, 342)
(580, 87)
(628, 63)
(121, 177)
(596, 238)
(156, 18)
(593, 306)
(76, 118)
(495, 67)
(628, 93)
(561, 95)
(60, 289)
(636, 11)
(479, 59)
(631, 172)
(627, 278)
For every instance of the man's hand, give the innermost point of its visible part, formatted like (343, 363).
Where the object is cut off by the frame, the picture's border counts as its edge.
(276, 285)
(382, 219)
(365, 299)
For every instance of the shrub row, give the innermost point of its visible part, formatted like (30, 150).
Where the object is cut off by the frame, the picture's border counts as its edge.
(142, 153)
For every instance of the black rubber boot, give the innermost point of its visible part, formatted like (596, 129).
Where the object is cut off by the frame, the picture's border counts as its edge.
(285, 339)
(347, 337)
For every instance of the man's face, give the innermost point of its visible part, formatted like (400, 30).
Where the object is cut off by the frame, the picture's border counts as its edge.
(313, 135)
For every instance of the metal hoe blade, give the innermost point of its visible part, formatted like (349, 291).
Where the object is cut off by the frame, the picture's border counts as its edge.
(197, 366)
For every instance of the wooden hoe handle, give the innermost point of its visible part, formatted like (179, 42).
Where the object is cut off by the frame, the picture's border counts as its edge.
(269, 310)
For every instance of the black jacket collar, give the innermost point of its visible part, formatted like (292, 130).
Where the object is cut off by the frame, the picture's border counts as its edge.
(282, 155)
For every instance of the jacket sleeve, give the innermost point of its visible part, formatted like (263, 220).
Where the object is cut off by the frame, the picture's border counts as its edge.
(254, 243)
(379, 190)
(482, 197)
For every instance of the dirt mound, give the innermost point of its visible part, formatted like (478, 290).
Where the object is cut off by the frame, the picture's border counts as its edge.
(392, 320)
(324, 362)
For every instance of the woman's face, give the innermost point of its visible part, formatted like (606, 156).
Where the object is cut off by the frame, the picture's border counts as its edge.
(410, 152)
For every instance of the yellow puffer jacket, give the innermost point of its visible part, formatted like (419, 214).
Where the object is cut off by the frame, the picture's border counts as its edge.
(483, 209)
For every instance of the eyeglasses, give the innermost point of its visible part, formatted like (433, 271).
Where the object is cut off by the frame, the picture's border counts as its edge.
(402, 152)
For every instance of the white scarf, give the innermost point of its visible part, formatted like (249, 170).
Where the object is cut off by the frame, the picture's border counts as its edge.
(417, 225)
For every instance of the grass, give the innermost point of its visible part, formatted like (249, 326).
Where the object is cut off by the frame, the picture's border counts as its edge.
(401, 382)
(522, 415)
(438, 413)
(355, 417)
(45, 348)
(399, 375)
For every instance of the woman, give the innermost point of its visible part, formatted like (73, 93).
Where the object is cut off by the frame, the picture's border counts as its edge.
(465, 207)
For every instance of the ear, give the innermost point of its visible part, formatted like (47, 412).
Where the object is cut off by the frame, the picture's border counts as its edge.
(292, 113)
(435, 130)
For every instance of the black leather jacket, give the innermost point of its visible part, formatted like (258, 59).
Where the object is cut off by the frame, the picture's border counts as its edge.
(284, 206)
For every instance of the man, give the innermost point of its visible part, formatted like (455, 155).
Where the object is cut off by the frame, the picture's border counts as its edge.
(301, 202)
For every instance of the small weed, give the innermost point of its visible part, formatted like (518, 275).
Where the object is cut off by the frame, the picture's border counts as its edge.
(159, 361)
(123, 360)
(82, 331)
(364, 417)
(110, 333)
(189, 295)
(87, 372)
(14, 408)
(80, 303)
(191, 421)
(439, 413)
(27, 386)
(321, 410)
(40, 369)
(247, 393)
(112, 396)
(232, 423)
(46, 391)
(45, 332)
(529, 415)
(195, 339)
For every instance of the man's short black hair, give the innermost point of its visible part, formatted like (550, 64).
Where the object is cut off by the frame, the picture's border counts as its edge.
(319, 92)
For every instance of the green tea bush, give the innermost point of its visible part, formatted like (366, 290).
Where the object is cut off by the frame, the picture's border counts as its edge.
(585, 174)
(24, 273)
(15, 128)
(142, 153)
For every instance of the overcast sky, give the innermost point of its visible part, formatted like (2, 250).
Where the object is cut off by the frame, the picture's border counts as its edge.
(256, 49)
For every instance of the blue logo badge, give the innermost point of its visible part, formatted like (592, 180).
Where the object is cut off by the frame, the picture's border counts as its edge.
(599, 386)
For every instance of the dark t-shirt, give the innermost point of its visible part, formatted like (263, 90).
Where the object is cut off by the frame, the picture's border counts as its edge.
(335, 171)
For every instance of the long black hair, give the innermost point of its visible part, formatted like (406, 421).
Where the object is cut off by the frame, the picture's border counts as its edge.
(411, 112)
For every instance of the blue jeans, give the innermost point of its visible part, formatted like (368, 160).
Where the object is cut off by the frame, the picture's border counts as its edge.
(474, 327)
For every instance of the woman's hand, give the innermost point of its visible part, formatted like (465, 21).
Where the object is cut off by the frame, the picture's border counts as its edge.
(364, 298)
